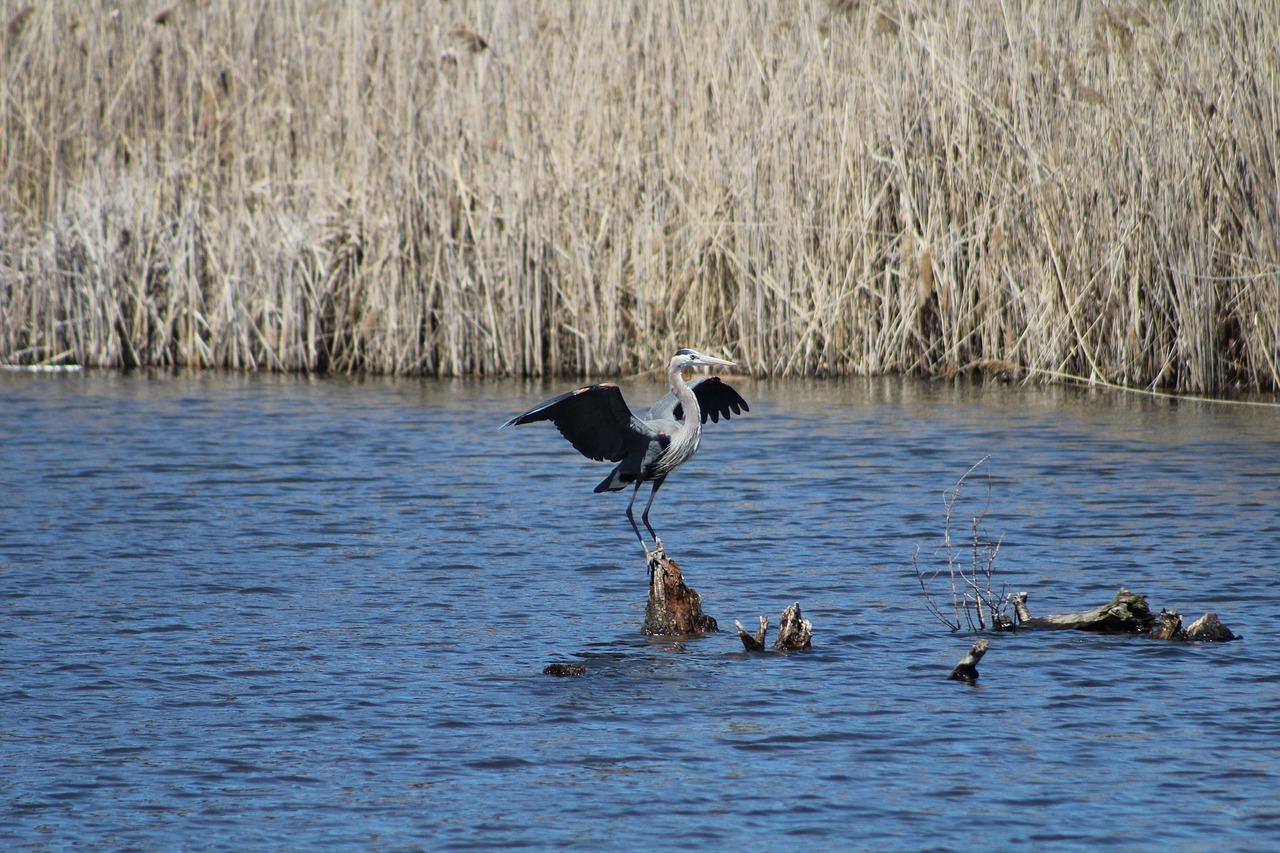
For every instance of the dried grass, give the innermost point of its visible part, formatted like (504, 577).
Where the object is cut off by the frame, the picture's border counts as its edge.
(547, 187)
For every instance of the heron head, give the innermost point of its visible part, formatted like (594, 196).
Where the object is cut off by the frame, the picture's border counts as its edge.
(692, 358)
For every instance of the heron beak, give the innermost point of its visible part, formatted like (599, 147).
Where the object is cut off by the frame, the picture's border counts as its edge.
(714, 362)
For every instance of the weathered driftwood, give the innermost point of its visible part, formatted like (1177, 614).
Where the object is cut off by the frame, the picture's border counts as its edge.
(753, 642)
(1128, 613)
(967, 669)
(795, 634)
(674, 609)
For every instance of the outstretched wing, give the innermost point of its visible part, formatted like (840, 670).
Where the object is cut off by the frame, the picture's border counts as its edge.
(716, 399)
(595, 419)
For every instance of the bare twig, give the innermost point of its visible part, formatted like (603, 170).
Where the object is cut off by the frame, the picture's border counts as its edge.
(930, 604)
(974, 601)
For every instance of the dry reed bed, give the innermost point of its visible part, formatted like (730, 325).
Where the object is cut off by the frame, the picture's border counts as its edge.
(545, 187)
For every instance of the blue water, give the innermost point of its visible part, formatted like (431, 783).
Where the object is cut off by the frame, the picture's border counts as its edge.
(281, 613)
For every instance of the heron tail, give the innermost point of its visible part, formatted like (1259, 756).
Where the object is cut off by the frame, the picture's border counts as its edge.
(616, 481)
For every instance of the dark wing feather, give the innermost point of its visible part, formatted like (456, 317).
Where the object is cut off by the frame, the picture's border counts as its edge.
(594, 419)
(716, 399)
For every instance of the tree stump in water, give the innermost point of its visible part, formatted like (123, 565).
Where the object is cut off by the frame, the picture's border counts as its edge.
(795, 634)
(674, 609)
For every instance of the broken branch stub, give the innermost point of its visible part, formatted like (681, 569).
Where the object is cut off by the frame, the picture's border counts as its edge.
(1168, 626)
(967, 669)
(753, 642)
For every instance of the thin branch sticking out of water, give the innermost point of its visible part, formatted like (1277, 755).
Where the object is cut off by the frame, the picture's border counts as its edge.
(974, 602)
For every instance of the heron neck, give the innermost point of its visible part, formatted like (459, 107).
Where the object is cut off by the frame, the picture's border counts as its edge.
(685, 438)
(688, 400)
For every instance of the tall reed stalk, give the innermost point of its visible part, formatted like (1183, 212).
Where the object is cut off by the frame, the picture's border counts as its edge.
(1051, 189)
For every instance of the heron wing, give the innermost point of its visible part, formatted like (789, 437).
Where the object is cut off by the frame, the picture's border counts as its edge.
(595, 419)
(716, 399)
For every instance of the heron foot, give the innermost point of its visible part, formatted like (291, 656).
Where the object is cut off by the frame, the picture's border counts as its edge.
(654, 559)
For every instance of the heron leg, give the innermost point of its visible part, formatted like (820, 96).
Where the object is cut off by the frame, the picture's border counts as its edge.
(631, 517)
(644, 516)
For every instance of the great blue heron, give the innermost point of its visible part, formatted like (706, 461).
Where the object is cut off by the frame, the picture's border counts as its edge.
(647, 449)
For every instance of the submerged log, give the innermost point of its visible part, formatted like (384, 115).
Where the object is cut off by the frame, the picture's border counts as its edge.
(1126, 613)
(674, 609)
(967, 669)
(562, 670)
(795, 634)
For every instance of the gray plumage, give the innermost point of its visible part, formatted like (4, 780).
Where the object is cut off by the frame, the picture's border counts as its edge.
(596, 421)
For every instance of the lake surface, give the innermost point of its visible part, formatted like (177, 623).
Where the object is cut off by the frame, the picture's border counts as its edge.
(281, 613)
